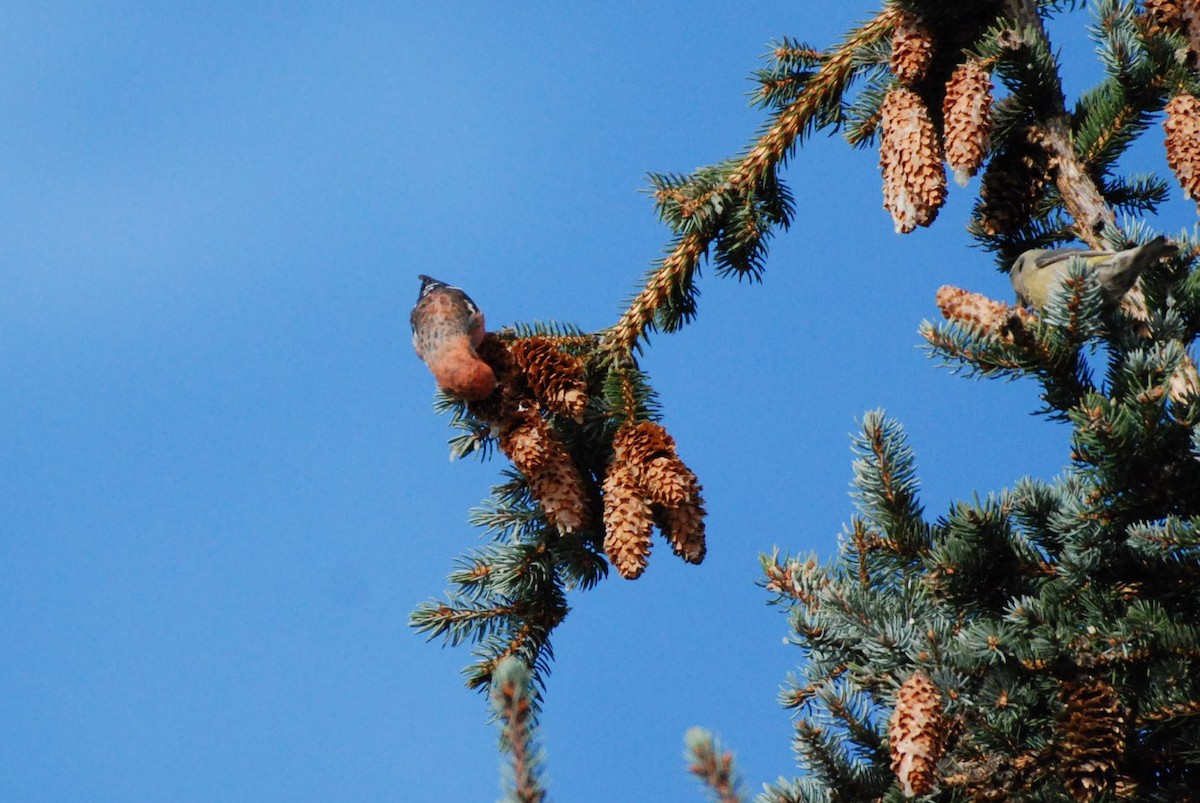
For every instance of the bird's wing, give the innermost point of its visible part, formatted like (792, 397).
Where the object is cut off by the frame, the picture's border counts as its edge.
(1056, 254)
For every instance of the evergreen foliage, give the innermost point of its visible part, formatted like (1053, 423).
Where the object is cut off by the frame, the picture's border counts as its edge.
(513, 707)
(1038, 643)
(713, 766)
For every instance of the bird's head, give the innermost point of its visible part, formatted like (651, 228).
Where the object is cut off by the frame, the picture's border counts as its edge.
(428, 285)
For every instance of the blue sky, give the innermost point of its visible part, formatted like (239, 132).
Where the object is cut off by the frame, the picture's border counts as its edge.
(225, 488)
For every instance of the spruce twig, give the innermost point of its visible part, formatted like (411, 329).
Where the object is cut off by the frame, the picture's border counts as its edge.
(513, 705)
(712, 766)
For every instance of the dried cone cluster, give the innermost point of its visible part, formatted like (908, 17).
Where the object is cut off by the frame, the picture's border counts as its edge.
(648, 484)
(910, 152)
(910, 156)
(1182, 125)
(555, 377)
(917, 734)
(1013, 183)
(1092, 739)
(912, 48)
(979, 312)
(531, 378)
(966, 112)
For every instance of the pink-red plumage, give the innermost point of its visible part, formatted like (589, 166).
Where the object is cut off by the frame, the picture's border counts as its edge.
(447, 327)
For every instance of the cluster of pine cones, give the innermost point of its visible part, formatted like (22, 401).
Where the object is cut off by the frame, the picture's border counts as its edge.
(645, 483)
(911, 153)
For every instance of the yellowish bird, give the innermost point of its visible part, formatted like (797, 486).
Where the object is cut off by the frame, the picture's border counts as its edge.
(1038, 273)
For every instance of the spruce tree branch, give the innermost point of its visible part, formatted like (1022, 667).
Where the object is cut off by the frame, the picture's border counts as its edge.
(676, 270)
(1190, 708)
(885, 484)
(671, 272)
(784, 577)
(713, 766)
(976, 356)
(512, 701)
(791, 53)
(821, 754)
(856, 724)
(1079, 192)
(864, 542)
(437, 619)
(531, 641)
(537, 623)
(1129, 114)
(828, 82)
(628, 396)
(800, 696)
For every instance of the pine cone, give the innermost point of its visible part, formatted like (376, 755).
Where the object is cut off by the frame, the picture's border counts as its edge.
(966, 110)
(644, 454)
(649, 452)
(980, 313)
(1183, 142)
(1092, 741)
(912, 48)
(554, 481)
(668, 481)
(637, 444)
(1164, 14)
(559, 489)
(555, 377)
(627, 522)
(914, 181)
(1013, 184)
(917, 734)
(528, 441)
(683, 526)
(1176, 16)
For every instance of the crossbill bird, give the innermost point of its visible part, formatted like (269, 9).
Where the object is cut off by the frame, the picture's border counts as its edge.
(447, 328)
(1038, 273)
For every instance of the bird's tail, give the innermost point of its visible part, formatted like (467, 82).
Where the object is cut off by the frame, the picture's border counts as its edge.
(1155, 250)
(1122, 271)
